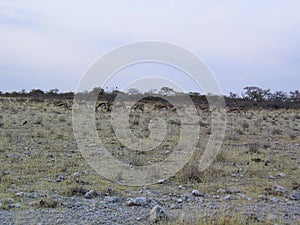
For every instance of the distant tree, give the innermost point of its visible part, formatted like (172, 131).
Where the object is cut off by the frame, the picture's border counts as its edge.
(98, 91)
(233, 95)
(22, 92)
(14, 94)
(256, 94)
(279, 96)
(133, 91)
(151, 92)
(53, 91)
(166, 91)
(69, 95)
(295, 96)
(36, 93)
(194, 94)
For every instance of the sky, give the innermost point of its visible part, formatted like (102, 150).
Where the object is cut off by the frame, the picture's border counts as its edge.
(51, 44)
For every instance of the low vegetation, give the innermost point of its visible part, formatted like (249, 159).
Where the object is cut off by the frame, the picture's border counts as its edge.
(39, 155)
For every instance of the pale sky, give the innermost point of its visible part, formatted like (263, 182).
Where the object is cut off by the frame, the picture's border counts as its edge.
(50, 44)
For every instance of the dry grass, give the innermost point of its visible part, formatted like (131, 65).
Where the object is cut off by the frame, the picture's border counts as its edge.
(42, 156)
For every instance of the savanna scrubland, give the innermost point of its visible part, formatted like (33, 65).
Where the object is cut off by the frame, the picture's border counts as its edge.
(254, 179)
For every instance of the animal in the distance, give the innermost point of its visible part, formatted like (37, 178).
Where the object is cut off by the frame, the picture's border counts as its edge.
(161, 106)
(239, 109)
(139, 106)
(103, 105)
(202, 107)
(206, 108)
(62, 104)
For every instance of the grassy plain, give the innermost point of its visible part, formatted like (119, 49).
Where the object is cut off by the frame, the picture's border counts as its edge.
(39, 154)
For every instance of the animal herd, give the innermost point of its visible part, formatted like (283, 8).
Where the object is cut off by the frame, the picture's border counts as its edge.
(107, 106)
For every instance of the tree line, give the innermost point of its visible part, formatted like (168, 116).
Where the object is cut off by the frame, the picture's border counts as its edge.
(251, 96)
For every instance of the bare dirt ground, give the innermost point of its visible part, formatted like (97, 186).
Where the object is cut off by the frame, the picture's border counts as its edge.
(255, 178)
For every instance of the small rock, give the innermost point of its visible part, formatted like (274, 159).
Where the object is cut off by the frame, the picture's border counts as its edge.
(228, 198)
(92, 145)
(139, 201)
(263, 197)
(197, 193)
(103, 205)
(257, 160)
(222, 191)
(18, 205)
(199, 200)
(111, 199)
(9, 201)
(182, 187)
(272, 177)
(186, 197)
(272, 218)
(161, 181)
(158, 213)
(233, 175)
(267, 161)
(240, 195)
(176, 206)
(281, 174)
(32, 203)
(279, 189)
(183, 217)
(179, 200)
(110, 191)
(76, 174)
(90, 194)
(11, 206)
(295, 196)
(274, 200)
(19, 194)
(59, 176)
(233, 190)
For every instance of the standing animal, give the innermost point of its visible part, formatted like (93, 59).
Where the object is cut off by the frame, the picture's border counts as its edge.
(167, 106)
(139, 106)
(237, 110)
(103, 105)
(62, 104)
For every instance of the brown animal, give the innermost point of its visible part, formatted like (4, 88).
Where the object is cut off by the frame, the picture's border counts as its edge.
(205, 108)
(139, 106)
(202, 107)
(103, 105)
(62, 104)
(237, 110)
(166, 106)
